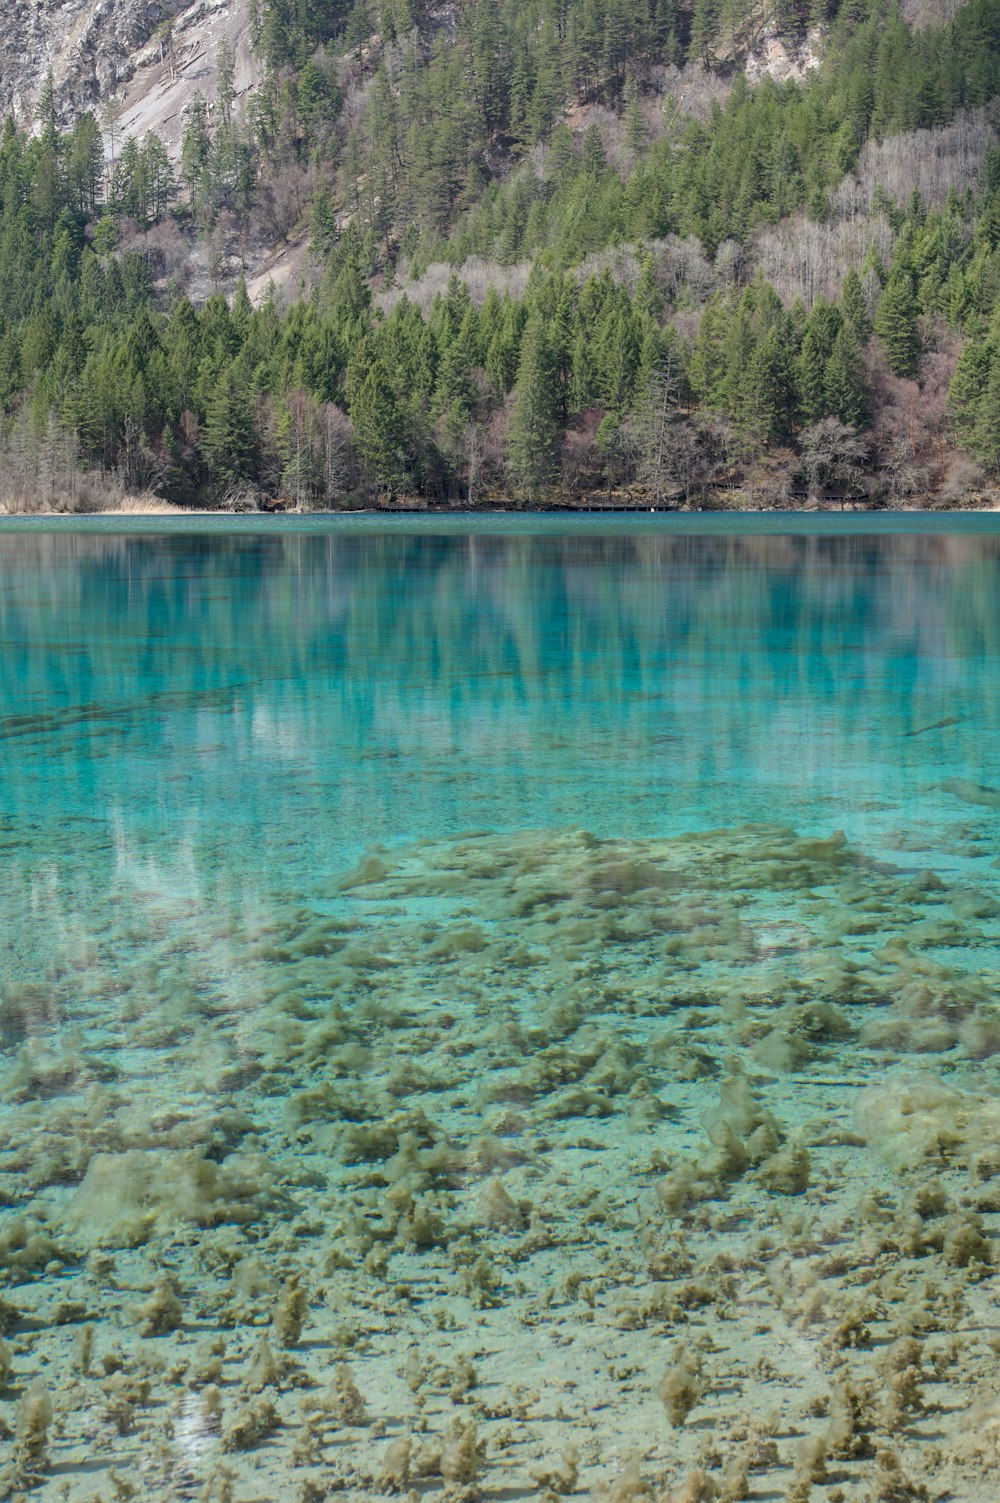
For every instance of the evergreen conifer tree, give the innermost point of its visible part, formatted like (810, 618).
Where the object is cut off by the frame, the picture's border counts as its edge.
(379, 430)
(896, 325)
(843, 380)
(228, 439)
(767, 395)
(532, 441)
(853, 305)
(987, 431)
(972, 375)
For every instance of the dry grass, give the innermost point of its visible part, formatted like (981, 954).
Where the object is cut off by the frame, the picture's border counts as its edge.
(144, 504)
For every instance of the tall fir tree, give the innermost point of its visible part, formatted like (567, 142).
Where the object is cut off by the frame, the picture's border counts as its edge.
(228, 439)
(843, 380)
(986, 438)
(896, 325)
(379, 429)
(532, 442)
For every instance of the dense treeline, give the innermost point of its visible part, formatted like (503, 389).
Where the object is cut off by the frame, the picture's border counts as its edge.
(633, 373)
(767, 151)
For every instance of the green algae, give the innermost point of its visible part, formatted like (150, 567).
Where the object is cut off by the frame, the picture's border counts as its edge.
(432, 1018)
(616, 1136)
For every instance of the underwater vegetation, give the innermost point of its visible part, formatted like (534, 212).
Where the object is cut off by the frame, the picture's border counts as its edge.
(529, 1165)
(540, 1164)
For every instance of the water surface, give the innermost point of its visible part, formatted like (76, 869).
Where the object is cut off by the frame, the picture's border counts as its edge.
(622, 801)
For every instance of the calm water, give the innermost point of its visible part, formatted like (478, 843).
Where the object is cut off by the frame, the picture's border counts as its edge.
(202, 730)
(185, 699)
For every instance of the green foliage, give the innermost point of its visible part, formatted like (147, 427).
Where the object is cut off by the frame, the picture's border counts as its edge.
(479, 140)
(843, 379)
(379, 428)
(986, 435)
(533, 435)
(974, 400)
(228, 436)
(896, 324)
(289, 31)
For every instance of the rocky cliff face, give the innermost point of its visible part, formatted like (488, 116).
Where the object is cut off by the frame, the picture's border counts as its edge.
(781, 58)
(144, 59)
(89, 47)
(173, 67)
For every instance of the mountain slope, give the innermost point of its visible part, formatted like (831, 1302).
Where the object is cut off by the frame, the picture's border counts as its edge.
(554, 248)
(180, 62)
(88, 47)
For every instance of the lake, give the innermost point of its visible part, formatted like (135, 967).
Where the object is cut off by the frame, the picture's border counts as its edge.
(504, 1004)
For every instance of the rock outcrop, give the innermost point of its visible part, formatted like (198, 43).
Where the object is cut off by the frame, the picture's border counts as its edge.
(781, 57)
(90, 49)
(141, 60)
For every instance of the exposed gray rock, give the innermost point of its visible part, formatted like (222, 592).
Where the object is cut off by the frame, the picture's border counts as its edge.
(90, 49)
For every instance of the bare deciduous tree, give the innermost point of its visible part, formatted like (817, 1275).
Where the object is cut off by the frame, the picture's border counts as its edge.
(833, 455)
(933, 163)
(802, 259)
(340, 463)
(474, 448)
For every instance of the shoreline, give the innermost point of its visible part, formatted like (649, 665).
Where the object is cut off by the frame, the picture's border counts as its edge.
(469, 513)
(620, 503)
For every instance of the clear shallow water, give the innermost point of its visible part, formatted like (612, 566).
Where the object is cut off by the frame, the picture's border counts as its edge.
(202, 731)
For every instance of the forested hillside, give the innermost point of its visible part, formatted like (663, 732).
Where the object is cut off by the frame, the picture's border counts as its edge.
(542, 250)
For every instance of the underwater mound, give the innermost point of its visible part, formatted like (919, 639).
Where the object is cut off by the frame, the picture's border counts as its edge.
(516, 1166)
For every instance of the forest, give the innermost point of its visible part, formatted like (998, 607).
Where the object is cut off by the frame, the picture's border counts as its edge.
(555, 251)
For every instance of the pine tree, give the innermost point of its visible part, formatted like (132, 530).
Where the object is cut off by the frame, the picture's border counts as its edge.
(455, 389)
(811, 377)
(658, 432)
(707, 367)
(853, 305)
(896, 325)
(972, 375)
(379, 429)
(705, 19)
(295, 440)
(647, 300)
(242, 309)
(767, 395)
(738, 347)
(228, 438)
(126, 188)
(636, 130)
(501, 359)
(582, 384)
(619, 358)
(47, 186)
(276, 33)
(323, 219)
(987, 431)
(843, 381)
(531, 447)
(593, 161)
(84, 165)
(157, 175)
(196, 148)
(225, 90)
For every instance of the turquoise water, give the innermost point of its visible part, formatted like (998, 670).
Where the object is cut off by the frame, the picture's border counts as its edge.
(312, 693)
(202, 730)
